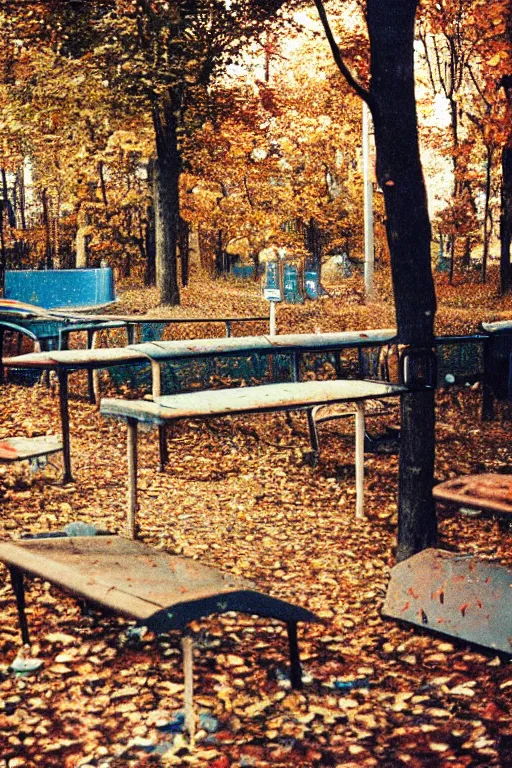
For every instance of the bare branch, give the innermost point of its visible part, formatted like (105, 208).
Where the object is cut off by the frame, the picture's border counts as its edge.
(362, 92)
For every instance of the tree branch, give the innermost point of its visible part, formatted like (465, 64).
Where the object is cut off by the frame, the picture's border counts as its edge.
(362, 92)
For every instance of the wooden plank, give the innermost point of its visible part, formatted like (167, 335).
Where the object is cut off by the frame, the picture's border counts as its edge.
(500, 325)
(489, 492)
(21, 448)
(136, 581)
(137, 319)
(326, 341)
(247, 345)
(102, 357)
(169, 350)
(264, 398)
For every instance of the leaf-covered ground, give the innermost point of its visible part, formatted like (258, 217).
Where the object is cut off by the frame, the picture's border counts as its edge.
(241, 495)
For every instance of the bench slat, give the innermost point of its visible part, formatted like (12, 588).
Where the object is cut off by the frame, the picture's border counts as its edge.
(264, 398)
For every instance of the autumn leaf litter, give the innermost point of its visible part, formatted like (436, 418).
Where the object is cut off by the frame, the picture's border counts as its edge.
(240, 494)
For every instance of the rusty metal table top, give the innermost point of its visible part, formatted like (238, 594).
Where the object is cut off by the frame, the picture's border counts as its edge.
(160, 590)
(490, 492)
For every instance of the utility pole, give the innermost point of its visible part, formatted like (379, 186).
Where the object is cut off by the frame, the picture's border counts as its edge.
(367, 206)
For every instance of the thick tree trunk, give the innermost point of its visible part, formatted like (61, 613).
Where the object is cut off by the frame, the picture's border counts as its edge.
(399, 172)
(48, 255)
(506, 221)
(167, 198)
(487, 229)
(184, 252)
(150, 270)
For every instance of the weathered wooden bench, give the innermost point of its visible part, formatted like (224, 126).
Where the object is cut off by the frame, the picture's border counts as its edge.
(28, 448)
(230, 402)
(487, 492)
(158, 590)
(64, 362)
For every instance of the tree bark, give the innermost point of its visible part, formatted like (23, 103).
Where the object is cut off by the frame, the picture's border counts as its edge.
(48, 255)
(150, 270)
(167, 199)
(400, 175)
(184, 251)
(506, 221)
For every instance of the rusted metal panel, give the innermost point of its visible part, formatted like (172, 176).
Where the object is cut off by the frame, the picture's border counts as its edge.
(131, 579)
(457, 595)
(490, 492)
(21, 448)
(264, 398)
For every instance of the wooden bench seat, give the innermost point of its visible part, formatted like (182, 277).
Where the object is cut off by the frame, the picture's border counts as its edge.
(489, 492)
(246, 400)
(160, 591)
(27, 448)
(66, 361)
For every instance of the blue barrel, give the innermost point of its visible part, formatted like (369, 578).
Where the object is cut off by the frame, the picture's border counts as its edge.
(311, 284)
(291, 288)
(59, 288)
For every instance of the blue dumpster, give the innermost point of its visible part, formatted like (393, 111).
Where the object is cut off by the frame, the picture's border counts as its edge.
(59, 288)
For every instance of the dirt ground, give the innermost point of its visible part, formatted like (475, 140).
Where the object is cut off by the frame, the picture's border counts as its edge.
(240, 494)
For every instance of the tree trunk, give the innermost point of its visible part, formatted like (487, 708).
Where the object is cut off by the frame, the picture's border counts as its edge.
(150, 271)
(487, 212)
(184, 251)
(506, 221)
(3, 255)
(313, 242)
(399, 172)
(167, 198)
(48, 248)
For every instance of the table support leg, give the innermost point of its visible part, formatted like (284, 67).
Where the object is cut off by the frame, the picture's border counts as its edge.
(1, 355)
(130, 333)
(487, 388)
(187, 645)
(64, 420)
(131, 444)
(91, 336)
(163, 453)
(295, 668)
(19, 592)
(296, 359)
(359, 450)
(313, 433)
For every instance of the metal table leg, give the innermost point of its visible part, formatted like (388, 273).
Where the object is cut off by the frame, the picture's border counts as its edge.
(295, 668)
(64, 420)
(131, 445)
(359, 450)
(19, 592)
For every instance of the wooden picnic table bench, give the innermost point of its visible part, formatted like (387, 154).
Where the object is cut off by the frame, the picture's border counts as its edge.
(244, 400)
(488, 492)
(66, 361)
(28, 448)
(160, 591)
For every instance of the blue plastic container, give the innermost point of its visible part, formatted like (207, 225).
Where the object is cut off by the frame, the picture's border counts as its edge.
(57, 288)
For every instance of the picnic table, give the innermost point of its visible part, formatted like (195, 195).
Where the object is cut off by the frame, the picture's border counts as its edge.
(28, 448)
(63, 362)
(246, 400)
(160, 591)
(489, 492)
